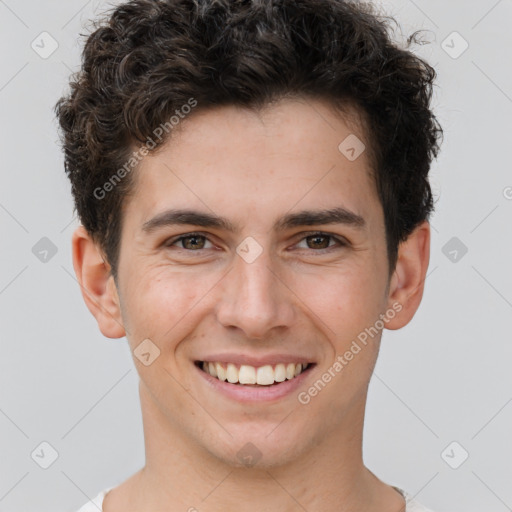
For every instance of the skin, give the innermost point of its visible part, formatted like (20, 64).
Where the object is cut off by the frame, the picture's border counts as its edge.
(301, 295)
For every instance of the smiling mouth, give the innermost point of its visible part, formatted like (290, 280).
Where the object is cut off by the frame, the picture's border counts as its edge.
(246, 375)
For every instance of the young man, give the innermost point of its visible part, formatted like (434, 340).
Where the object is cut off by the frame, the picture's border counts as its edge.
(251, 179)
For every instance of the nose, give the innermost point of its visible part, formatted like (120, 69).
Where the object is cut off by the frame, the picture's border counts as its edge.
(255, 299)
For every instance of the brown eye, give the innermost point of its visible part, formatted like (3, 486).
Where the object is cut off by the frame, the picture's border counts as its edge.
(191, 242)
(322, 241)
(318, 241)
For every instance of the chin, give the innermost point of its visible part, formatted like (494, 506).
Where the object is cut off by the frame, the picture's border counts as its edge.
(259, 449)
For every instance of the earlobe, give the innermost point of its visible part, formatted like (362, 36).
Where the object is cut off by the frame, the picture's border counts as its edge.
(407, 282)
(97, 284)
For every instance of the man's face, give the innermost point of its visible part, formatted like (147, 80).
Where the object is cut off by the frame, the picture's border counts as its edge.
(268, 291)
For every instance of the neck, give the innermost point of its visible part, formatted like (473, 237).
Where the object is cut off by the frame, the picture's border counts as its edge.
(326, 474)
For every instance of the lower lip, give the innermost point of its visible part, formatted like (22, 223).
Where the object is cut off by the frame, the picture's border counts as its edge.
(250, 394)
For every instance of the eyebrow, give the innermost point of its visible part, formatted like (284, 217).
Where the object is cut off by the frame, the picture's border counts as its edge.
(175, 217)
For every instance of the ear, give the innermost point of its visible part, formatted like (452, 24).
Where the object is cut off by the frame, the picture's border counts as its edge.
(407, 282)
(97, 284)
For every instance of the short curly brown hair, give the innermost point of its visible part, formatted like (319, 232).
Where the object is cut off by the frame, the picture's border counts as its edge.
(148, 58)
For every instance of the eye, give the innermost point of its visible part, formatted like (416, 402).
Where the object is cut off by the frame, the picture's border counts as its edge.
(320, 241)
(190, 241)
(317, 241)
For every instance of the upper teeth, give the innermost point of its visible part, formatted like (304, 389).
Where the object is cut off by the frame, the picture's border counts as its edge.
(263, 375)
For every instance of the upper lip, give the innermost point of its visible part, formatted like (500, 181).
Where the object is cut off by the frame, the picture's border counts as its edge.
(256, 361)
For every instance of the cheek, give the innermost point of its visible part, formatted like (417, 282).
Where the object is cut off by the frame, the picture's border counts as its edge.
(345, 300)
(161, 303)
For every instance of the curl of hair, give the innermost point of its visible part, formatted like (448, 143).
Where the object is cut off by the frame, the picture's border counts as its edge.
(147, 58)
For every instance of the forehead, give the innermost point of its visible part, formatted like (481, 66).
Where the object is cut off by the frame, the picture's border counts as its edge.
(292, 154)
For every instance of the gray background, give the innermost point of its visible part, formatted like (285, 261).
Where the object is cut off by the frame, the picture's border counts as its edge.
(443, 378)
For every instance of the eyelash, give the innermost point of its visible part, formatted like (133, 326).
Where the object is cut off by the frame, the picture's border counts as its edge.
(341, 242)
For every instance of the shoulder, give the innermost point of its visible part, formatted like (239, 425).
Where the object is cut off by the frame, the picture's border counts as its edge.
(95, 504)
(411, 504)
